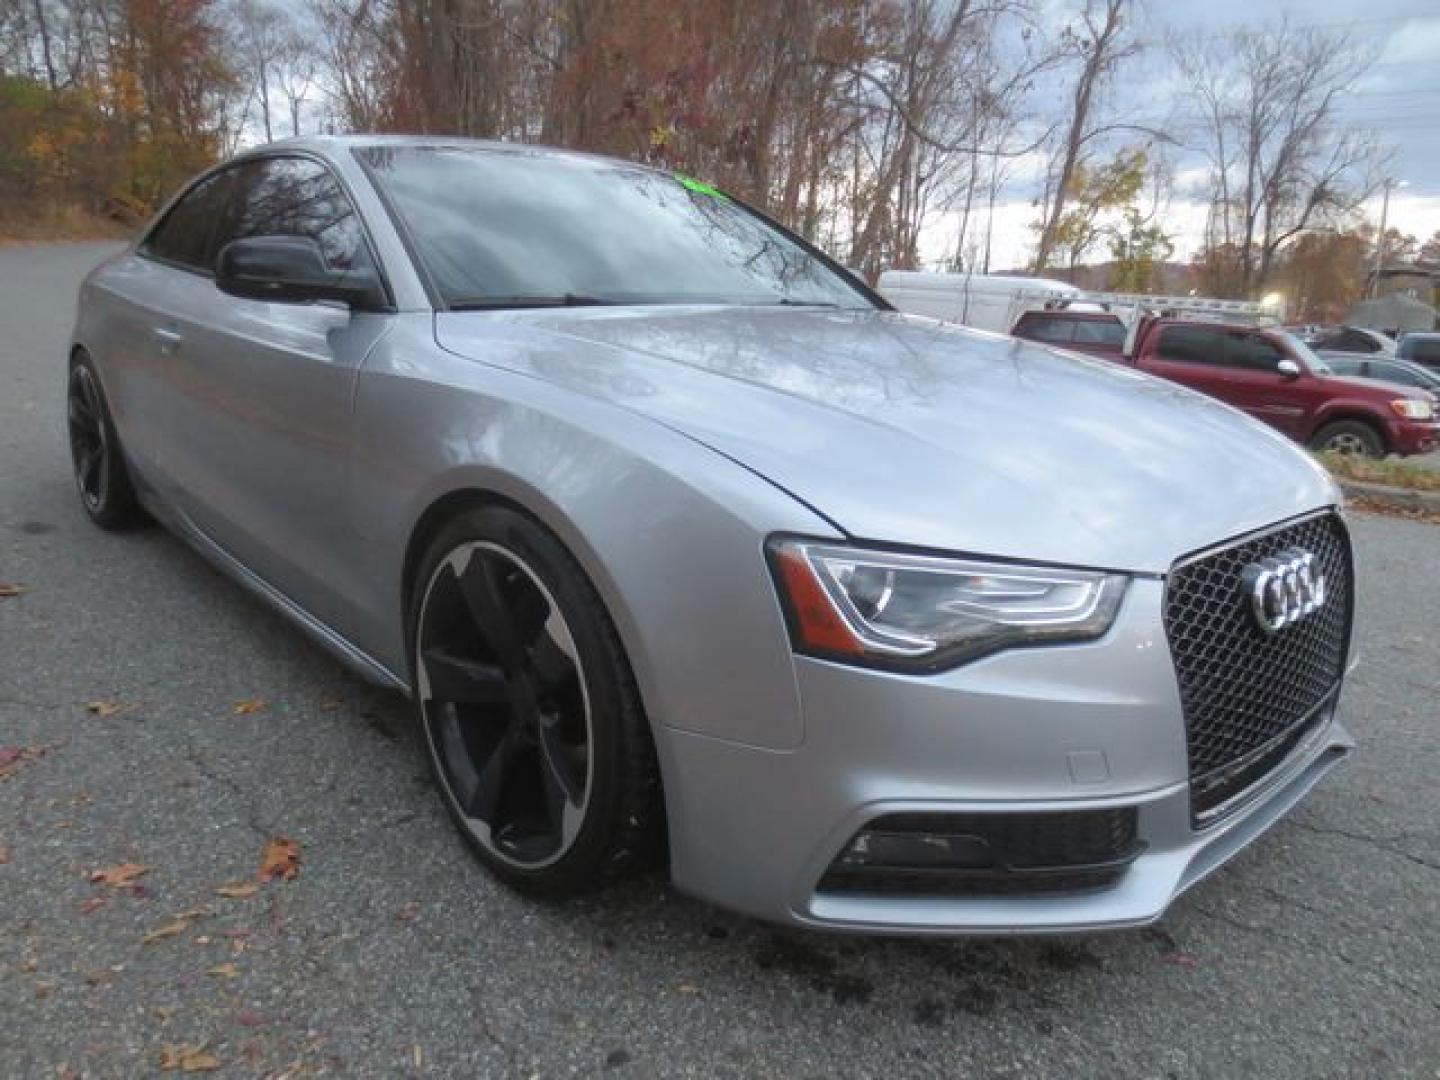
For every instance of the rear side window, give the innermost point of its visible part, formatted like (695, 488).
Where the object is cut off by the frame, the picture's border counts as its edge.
(1192, 345)
(1099, 332)
(1423, 350)
(296, 197)
(186, 234)
(1355, 341)
(1047, 329)
(1395, 373)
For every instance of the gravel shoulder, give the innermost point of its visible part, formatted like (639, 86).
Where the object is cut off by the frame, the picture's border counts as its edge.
(391, 953)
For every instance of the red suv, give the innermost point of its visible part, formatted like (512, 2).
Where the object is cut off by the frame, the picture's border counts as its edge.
(1097, 333)
(1276, 377)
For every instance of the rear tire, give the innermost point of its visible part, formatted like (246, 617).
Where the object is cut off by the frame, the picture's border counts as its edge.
(1349, 437)
(530, 716)
(106, 494)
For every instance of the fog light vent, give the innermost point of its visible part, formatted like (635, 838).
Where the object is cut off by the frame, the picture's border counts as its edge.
(978, 854)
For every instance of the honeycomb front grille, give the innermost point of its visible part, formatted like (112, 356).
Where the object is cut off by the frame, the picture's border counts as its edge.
(1248, 696)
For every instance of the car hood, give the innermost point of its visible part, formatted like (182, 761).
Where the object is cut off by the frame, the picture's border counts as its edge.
(910, 431)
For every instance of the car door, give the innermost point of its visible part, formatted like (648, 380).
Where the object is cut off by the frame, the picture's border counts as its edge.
(1256, 385)
(136, 330)
(262, 426)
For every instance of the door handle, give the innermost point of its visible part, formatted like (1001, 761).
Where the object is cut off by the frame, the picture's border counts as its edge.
(169, 339)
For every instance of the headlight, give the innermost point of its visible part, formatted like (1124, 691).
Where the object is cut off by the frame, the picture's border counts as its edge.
(1413, 408)
(921, 613)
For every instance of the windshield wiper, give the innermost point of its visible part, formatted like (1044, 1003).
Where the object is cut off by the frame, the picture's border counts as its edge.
(787, 302)
(495, 303)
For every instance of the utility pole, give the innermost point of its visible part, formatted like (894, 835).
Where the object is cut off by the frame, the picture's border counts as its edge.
(1380, 240)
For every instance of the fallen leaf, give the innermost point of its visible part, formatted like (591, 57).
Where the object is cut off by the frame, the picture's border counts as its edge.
(169, 930)
(13, 758)
(95, 902)
(248, 706)
(97, 978)
(30, 966)
(280, 859)
(65, 1072)
(119, 877)
(237, 892)
(42, 990)
(187, 1058)
(1184, 959)
(193, 913)
(224, 971)
(104, 707)
(249, 1019)
(4, 854)
(7, 590)
(163, 1013)
(331, 704)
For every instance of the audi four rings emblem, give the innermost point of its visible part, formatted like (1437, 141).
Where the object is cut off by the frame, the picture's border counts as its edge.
(1284, 589)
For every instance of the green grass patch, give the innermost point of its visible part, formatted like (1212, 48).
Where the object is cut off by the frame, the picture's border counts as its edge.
(1395, 472)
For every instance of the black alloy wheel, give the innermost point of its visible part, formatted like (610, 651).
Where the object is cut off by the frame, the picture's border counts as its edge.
(529, 713)
(100, 476)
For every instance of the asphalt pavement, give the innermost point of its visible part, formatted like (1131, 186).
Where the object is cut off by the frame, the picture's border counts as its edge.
(152, 713)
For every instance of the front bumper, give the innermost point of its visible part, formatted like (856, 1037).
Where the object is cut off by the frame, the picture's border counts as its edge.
(1032, 730)
(1414, 437)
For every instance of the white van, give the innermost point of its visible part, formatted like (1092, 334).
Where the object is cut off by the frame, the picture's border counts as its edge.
(983, 301)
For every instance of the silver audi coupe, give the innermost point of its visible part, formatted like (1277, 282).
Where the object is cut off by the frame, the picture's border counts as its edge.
(687, 547)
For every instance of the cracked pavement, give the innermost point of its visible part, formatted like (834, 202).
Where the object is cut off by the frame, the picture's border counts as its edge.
(1316, 953)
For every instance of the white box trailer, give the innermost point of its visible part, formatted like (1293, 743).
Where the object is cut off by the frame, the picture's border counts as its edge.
(983, 301)
(994, 301)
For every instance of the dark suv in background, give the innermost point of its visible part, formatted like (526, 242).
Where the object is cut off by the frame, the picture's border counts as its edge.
(1420, 348)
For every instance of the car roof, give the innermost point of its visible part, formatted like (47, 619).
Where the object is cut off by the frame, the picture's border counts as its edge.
(1066, 313)
(332, 146)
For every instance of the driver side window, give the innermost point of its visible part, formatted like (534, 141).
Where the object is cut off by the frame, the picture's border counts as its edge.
(296, 197)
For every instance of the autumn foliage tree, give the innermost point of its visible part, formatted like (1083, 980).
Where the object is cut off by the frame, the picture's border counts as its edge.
(107, 105)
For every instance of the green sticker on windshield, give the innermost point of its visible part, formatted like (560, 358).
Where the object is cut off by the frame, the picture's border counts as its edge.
(699, 186)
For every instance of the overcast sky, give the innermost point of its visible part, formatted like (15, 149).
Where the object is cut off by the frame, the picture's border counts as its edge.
(1398, 99)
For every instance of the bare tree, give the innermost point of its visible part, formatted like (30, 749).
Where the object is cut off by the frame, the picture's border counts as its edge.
(1099, 45)
(1280, 160)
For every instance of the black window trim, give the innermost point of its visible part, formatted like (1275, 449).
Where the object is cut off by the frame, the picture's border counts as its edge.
(259, 156)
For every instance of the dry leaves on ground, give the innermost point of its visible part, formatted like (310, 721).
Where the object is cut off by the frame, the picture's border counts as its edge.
(237, 892)
(7, 590)
(224, 971)
(119, 877)
(188, 1059)
(248, 706)
(280, 859)
(103, 707)
(178, 924)
(4, 854)
(93, 904)
(15, 758)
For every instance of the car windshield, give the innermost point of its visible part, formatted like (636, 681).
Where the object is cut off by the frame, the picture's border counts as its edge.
(1307, 355)
(513, 227)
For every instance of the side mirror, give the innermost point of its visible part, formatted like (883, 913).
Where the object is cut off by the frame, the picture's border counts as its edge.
(292, 270)
(1288, 369)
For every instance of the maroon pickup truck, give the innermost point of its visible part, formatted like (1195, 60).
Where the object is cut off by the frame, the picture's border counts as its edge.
(1270, 374)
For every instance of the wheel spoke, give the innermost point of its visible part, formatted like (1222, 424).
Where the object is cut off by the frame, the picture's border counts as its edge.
(462, 680)
(90, 466)
(485, 597)
(562, 794)
(552, 666)
(484, 798)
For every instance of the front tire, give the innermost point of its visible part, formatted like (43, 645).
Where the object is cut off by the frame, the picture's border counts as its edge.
(530, 716)
(1349, 437)
(106, 493)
